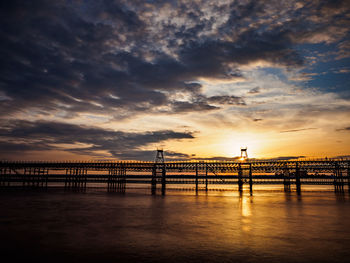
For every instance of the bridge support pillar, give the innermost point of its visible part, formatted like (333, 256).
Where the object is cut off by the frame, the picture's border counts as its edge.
(45, 178)
(297, 178)
(75, 178)
(42, 177)
(35, 177)
(122, 179)
(286, 179)
(163, 181)
(111, 180)
(338, 178)
(240, 178)
(31, 177)
(348, 176)
(158, 171)
(3, 177)
(154, 180)
(196, 177)
(206, 177)
(116, 181)
(250, 179)
(68, 178)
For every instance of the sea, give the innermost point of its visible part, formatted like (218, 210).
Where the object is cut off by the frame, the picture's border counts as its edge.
(218, 225)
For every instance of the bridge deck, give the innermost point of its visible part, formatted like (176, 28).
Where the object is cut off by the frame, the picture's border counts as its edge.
(117, 174)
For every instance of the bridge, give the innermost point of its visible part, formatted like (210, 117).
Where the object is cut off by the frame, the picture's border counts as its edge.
(116, 175)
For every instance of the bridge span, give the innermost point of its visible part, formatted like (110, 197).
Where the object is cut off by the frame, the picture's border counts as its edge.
(116, 175)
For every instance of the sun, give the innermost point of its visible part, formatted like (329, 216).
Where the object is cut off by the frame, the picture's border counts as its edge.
(233, 143)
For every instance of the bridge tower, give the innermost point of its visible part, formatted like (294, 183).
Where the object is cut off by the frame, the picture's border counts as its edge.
(159, 171)
(159, 157)
(244, 153)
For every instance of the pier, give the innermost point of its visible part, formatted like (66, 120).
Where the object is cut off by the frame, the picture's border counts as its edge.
(116, 175)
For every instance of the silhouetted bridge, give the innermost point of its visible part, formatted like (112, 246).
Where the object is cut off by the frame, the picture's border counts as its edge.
(115, 175)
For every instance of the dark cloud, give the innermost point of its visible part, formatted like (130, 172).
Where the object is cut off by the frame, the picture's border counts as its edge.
(202, 103)
(123, 58)
(297, 130)
(255, 90)
(230, 100)
(184, 106)
(71, 56)
(19, 136)
(344, 129)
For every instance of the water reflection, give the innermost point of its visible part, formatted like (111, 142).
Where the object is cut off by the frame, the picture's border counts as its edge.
(245, 205)
(182, 226)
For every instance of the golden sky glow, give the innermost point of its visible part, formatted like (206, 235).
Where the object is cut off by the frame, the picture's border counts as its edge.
(200, 79)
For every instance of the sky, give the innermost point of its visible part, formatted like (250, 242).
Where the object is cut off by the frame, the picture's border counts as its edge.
(86, 79)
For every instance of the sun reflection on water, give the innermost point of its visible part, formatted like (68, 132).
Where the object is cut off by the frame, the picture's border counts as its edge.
(245, 205)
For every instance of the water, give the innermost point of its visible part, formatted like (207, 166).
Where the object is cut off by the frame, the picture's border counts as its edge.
(218, 226)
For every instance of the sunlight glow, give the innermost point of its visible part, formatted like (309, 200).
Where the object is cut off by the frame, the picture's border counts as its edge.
(235, 141)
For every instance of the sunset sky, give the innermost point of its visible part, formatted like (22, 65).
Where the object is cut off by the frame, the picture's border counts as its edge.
(116, 79)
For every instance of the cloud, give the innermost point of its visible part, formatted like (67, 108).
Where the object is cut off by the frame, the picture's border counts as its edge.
(344, 129)
(342, 71)
(19, 136)
(343, 49)
(122, 61)
(184, 106)
(203, 103)
(297, 130)
(230, 100)
(46, 67)
(255, 90)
